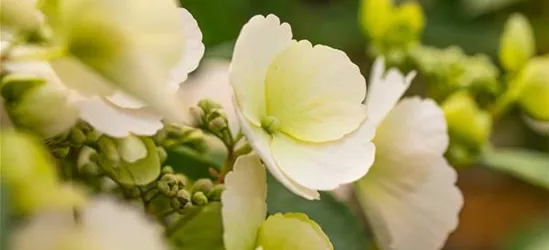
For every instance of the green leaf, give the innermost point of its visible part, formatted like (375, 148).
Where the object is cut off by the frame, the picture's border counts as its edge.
(200, 228)
(140, 172)
(335, 218)
(529, 166)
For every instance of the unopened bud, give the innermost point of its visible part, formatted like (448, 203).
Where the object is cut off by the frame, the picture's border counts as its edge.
(77, 137)
(534, 94)
(38, 106)
(217, 124)
(199, 199)
(181, 180)
(132, 149)
(517, 43)
(207, 105)
(108, 147)
(215, 193)
(202, 185)
(167, 170)
(168, 185)
(466, 120)
(180, 200)
(197, 114)
(60, 153)
(162, 154)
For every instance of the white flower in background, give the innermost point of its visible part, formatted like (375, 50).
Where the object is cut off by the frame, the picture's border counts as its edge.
(104, 224)
(409, 195)
(117, 113)
(300, 107)
(211, 81)
(244, 210)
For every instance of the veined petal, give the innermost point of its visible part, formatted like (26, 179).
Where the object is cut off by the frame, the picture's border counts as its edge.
(385, 90)
(292, 231)
(315, 92)
(422, 219)
(193, 52)
(259, 42)
(118, 122)
(260, 142)
(244, 208)
(325, 166)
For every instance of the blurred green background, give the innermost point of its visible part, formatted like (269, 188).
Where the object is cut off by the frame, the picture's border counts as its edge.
(500, 212)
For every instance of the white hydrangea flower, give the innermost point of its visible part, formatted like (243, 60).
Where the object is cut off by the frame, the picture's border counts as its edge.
(300, 106)
(117, 113)
(104, 224)
(244, 210)
(409, 195)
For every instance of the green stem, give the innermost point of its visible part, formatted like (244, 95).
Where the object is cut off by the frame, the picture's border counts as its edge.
(502, 104)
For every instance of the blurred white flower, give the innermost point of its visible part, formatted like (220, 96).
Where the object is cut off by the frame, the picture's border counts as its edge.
(541, 127)
(211, 81)
(104, 224)
(118, 114)
(244, 210)
(300, 107)
(409, 195)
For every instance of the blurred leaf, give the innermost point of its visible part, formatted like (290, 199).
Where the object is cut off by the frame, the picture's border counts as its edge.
(201, 229)
(529, 166)
(480, 7)
(335, 218)
(5, 222)
(531, 236)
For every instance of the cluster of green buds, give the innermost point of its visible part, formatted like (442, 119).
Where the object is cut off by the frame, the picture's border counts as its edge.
(212, 118)
(173, 135)
(450, 70)
(393, 29)
(184, 194)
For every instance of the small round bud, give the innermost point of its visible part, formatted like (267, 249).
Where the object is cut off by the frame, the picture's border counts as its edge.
(199, 199)
(197, 114)
(60, 153)
(180, 200)
(167, 170)
(168, 185)
(108, 147)
(202, 185)
(93, 136)
(162, 154)
(77, 137)
(217, 124)
(207, 105)
(215, 193)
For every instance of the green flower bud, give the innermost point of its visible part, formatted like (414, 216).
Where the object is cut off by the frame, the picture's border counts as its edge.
(215, 193)
(533, 82)
(517, 43)
(181, 180)
(167, 170)
(38, 106)
(162, 154)
(87, 161)
(375, 17)
(168, 185)
(202, 185)
(108, 148)
(197, 114)
(465, 120)
(181, 200)
(77, 137)
(218, 124)
(207, 105)
(132, 149)
(60, 153)
(199, 199)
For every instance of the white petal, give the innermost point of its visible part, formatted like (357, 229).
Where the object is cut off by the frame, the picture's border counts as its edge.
(315, 92)
(44, 231)
(244, 208)
(116, 226)
(78, 77)
(409, 195)
(123, 100)
(325, 166)
(385, 90)
(118, 122)
(422, 219)
(542, 127)
(259, 42)
(193, 52)
(260, 142)
(211, 81)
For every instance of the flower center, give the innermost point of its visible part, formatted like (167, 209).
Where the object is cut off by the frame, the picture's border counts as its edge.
(270, 124)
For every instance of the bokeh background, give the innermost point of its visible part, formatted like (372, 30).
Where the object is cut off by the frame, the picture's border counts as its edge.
(500, 211)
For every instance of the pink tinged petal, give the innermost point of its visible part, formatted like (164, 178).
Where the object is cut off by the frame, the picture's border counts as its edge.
(260, 142)
(385, 90)
(244, 208)
(315, 92)
(193, 52)
(326, 166)
(259, 42)
(118, 122)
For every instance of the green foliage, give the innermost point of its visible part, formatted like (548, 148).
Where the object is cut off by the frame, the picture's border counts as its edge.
(530, 166)
(200, 228)
(335, 218)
